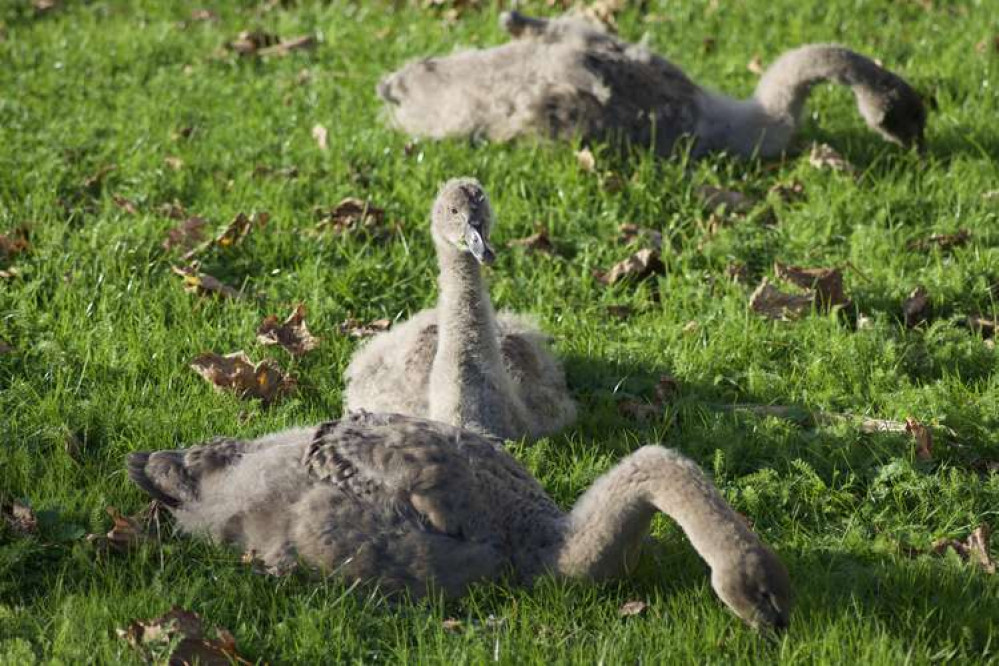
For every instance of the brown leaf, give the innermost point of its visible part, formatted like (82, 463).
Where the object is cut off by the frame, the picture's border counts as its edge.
(771, 302)
(174, 162)
(44, 6)
(126, 533)
(666, 389)
(630, 608)
(20, 517)
(187, 235)
(824, 157)
(916, 308)
(791, 191)
(536, 242)
(287, 46)
(632, 233)
(709, 44)
(737, 272)
(10, 273)
(452, 626)
(923, 438)
(124, 204)
(174, 210)
(5, 348)
(715, 198)
(355, 329)
(94, 182)
(203, 284)
(639, 410)
(352, 215)
(983, 325)
(321, 135)
(292, 334)
(237, 373)
(233, 234)
(182, 632)
(941, 241)
(639, 266)
(977, 545)
(827, 283)
(249, 42)
(988, 44)
(587, 162)
(755, 65)
(14, 243)
(204, 15)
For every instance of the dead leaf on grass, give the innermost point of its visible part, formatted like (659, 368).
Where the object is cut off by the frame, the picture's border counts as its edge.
(985, 326)
(536, 242)
(249, 42)
(20, 517)
(643, 411)
(124, 204)
(771, 302)
(353, 328)
(923, 438)
(321, 136)
(286, 46)
(630, 608)
(187, 235)
(620, 311)
(237, 373)
(262, 170)
(715, 198)
(10, 273)
(182, 633)
(452, 626)
(975, 548)
(639, 266)
(94, 182)
(15, 242)
(174, 210)
(352, 215)
(174, 162)
(587, 162)
(787, 192)
(916, 308)
(5, 348)
(628, 233)
(292, 333)
(125, 534)
(755, 65)
(823, 156)
(44, 6)
(941, 241)
(737, 272)
(233, 234)
(827, 283)
(203, 284)
(988, 44)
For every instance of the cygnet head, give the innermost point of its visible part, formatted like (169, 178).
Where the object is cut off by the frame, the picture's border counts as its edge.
(462, 219)
(895, 111)
(757, 588)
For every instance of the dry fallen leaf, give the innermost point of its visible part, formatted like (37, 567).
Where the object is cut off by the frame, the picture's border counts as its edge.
(20, 517)
(174, 210)
(988, 44)
(355, 329)
(643, 411)
(249, 42)
(292, 333)
(632, 233)
(14, 243)
(237, 373)
(94, 182)
(983, 325)
(204, 284)
(5, 348)
(823, 156)
(974, 548)
(923, 438)
(321, 135)
(187, 235)
(182, 633)
(916, 308)
(827, 283)
(452, 626)
(790, 191)
(286, 46)
(755, 65)
(233, 234)
(124, 204)
(941, 241)
(352, 215)
(630, 608)
(639, 266)
(737, 272)
(771, 302)
(713, 198)
(10, 273)
(125, 533)
(586, 160)
(536, 242)
(174, 162)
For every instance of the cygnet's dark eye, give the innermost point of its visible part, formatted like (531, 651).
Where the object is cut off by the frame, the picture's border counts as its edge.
(454, 211)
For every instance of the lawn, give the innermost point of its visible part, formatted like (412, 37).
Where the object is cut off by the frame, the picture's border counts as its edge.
(98, 333)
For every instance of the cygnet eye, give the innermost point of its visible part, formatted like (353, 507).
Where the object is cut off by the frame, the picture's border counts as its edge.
(454, 211)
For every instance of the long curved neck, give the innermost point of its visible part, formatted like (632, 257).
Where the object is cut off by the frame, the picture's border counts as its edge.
(463, 384)
(605, 528)
(785, 86)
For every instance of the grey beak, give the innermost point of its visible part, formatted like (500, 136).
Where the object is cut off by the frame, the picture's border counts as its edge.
(478, 246)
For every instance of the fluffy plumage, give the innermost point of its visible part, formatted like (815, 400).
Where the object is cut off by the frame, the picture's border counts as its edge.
(565, 77)
(459, 363)
(416, 505)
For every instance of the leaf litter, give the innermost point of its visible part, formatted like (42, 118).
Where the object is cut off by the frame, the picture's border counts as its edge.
(640, 266)
(203, 284)
(923, 438)
(539, 241)
(824, 156)
(292, 333)
(351, 216)
(237, 373)
(20, 517)
(916, 307)
(823, 289)
(941, 241)
(666, 391)
(179, 638)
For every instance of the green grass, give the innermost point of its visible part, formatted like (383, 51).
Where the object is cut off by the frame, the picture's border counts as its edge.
(102, 332)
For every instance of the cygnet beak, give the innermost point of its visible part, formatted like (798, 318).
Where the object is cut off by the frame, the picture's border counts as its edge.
(478, 246)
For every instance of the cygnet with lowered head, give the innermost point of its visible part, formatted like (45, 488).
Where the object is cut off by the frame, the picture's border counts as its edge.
(416, 505)
(564, 77)
(460, 362)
